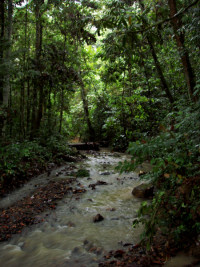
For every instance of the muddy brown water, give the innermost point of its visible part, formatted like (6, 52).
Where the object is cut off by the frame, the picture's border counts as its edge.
(69, 237)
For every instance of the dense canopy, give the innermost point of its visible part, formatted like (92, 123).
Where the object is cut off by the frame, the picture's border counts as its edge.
(122, 72)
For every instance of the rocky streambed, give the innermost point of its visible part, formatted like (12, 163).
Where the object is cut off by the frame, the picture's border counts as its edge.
(52, 221)
(80, 215)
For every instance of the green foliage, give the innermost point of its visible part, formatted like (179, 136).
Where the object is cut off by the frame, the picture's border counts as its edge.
(19, 159)
(175, 157)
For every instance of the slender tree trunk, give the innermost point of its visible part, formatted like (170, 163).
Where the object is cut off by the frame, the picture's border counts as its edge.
(28, 108)
(37, 108)
(39, 84)
(157, 63)
(6, 84)
(27, 79)
(62, 90)
(184, 55)
(147, 76)
(22, 131)
(61, 109)
(130, 78)
(2, 27)
(86, 111)
(6, 88)
(159, 70)
(49, 109)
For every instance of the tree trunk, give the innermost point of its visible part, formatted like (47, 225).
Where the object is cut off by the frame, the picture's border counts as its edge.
(62, 90)
(159, 70)
(6, 88)
(179, 36)
(61, 109)
(2, 27)
(86, 112)
(37, 108)
(156, 62)
(22, 131)
(6, 83)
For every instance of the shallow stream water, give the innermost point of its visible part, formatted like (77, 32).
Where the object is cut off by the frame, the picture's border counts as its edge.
(69, 237)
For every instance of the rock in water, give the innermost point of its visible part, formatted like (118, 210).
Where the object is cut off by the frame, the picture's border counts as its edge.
(98, 218)
(143, 191)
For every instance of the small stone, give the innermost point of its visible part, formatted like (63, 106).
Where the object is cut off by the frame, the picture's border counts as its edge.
(118, 253)
(105, 173)
(76, 250)
(85, 242)
(70, 224)
(98, 218)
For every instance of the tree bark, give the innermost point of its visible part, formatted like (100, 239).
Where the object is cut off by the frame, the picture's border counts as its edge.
(2, 27)
(37, 107)
(184, 55)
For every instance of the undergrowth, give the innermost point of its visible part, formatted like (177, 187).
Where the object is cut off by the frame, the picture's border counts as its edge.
(21, 160)
(175, 158)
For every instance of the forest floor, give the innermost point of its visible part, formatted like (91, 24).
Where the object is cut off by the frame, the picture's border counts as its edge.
(30, 210)
(138, 256)
(23, 174)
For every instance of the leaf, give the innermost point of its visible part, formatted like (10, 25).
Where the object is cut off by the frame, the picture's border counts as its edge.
(167, 175)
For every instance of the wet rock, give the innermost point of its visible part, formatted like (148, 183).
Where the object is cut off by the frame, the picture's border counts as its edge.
(143, 191)
(93, 249)
(98, 218)
(77, 191)
(119, 253)
(105, 173)
(76, 250)
(101, 183)
(71, 224)
(96, 250)
(85, 242)
(111, 209)
(21, 244)
(93, 186)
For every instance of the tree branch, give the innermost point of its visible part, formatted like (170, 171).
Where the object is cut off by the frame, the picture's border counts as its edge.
(182, 11)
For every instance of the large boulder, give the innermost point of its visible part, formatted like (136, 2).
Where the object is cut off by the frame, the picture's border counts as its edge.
(143, 191)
